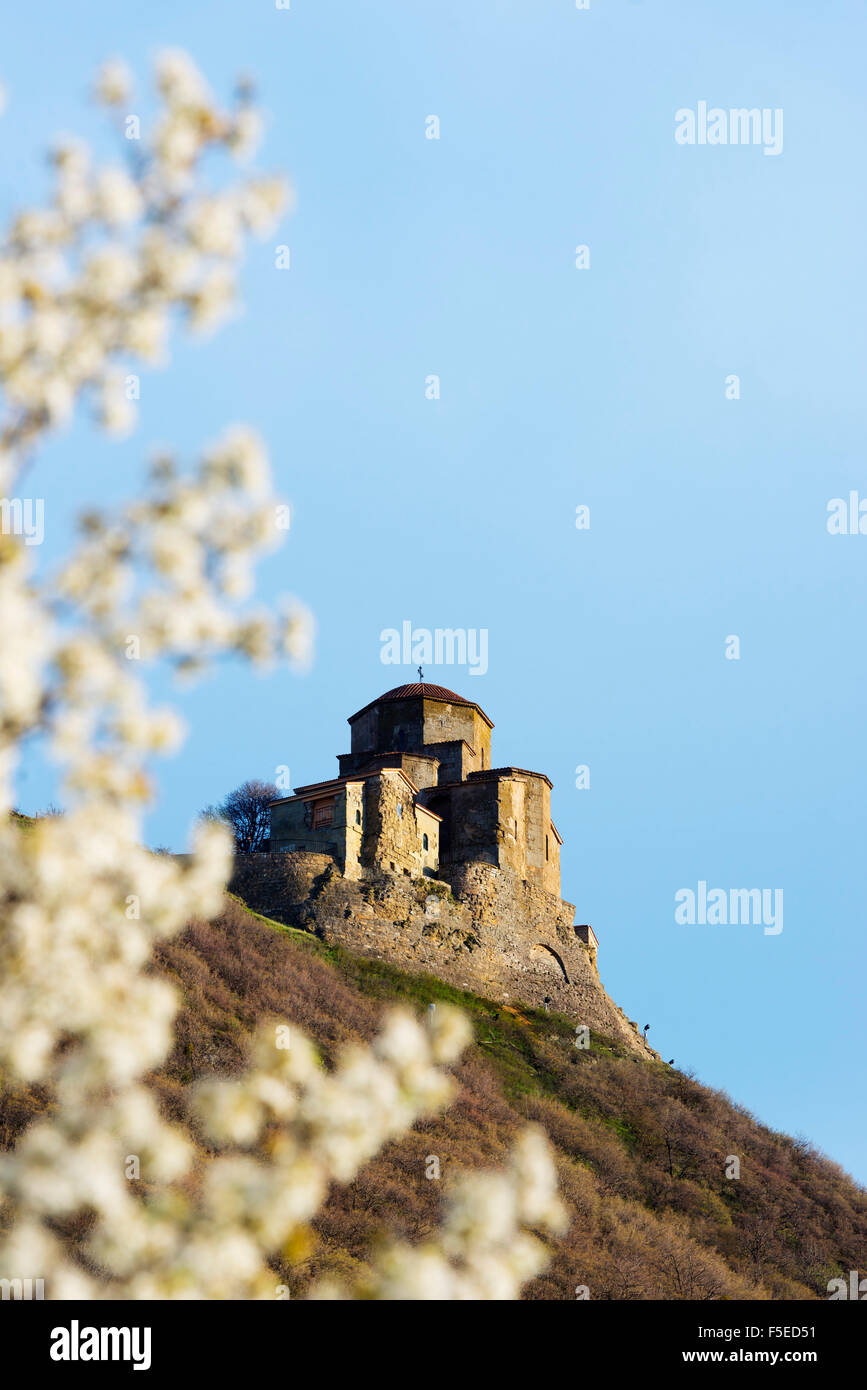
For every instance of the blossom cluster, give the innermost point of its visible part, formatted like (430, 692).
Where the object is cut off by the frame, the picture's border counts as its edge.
(485, 1248)
(90, 283)
(165, 578)
(283, 1131)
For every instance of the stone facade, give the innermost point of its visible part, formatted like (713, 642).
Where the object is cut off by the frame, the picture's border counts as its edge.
(485, 931)
(420, 765)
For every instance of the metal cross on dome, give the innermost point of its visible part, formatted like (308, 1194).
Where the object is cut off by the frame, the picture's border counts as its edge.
(420, 674)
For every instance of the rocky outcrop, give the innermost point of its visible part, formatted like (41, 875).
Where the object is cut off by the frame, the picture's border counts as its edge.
(484, 929)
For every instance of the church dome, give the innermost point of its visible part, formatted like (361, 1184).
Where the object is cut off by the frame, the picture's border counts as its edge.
(422, 689)
(430, 692)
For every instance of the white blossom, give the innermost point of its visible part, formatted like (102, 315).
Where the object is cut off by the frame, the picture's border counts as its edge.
(82, 901)
(113, 82)
(117, 199)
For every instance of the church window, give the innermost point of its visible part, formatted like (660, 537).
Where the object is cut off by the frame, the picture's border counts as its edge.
(358, 818)
(322, 814)
(424, 842)
(546, 846)
(399, 809)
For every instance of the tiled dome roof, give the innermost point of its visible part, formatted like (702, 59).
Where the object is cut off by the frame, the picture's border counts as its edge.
(429, 692)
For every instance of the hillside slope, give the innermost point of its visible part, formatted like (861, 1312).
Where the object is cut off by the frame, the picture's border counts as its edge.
(641, 1148)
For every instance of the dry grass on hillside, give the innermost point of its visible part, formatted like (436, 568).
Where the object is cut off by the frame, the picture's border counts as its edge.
(641, 1149)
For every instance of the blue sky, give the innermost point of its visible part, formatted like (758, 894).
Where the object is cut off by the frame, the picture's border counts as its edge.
(559, 387)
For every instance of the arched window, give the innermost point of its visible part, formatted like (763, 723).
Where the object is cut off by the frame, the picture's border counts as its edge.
(424, 842)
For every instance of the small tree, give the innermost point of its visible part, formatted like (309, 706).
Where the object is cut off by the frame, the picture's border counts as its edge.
(247, 811)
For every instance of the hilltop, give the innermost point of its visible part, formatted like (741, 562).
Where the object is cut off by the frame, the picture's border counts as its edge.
(424, 852)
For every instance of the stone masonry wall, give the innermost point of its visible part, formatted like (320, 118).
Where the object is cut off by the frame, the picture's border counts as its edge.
(473, 820)
(484, 930)
(392, 840)
(445, 723)
(281, 886)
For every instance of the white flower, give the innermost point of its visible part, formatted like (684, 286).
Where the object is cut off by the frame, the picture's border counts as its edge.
(179, 79)
(31, 386)
(113, 82)
(262, 203)
(146, 333)
(212, 299)
(110, 273)
(84, 355)
(228, 1112)
(71, 157)
(245, 133)
(177, 143)
(39, 226)
(117, 414)
(10, 281)
(118, 200)
(169, 264)
(49, 331)
(74, 198)
(215, 227)
(238, 460)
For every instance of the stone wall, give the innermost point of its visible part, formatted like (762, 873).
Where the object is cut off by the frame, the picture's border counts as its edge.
(422, 768)
(484, 930)
(292, 827)
(500, 817)
(353, 829)
(282, 886)
(393, 726)
(428, 829)
(416, 724)
(456, 760)
(473, 816)
(444, 723)
(392, 841)
(364, 732)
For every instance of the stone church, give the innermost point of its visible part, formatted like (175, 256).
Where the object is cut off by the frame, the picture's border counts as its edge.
(417, 794)
(422, 853)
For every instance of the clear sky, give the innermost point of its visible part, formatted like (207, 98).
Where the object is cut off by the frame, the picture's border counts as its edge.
(559, 387)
